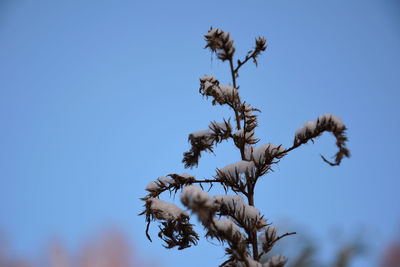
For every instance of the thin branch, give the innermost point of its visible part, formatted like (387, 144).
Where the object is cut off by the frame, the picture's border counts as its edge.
(282, 236)
(241, 63)
(238, 126)
(232, 72)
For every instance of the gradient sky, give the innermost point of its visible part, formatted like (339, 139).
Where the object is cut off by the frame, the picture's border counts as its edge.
(97, 99)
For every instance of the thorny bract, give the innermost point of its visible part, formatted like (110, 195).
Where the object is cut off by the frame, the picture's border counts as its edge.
(229, 218)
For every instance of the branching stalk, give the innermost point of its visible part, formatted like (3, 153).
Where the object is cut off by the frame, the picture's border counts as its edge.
(229, 218)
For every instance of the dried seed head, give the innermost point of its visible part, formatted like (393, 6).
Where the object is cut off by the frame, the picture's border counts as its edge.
(221, 94)
(326, 122)
(221, 43)
(270, 233)
(261, 43)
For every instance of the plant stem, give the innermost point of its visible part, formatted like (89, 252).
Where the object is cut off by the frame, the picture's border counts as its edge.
(250, 186)
(238, 126)
(232, 72)
(250, 198)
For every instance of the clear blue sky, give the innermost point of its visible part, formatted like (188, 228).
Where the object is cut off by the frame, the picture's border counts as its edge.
(97, 99)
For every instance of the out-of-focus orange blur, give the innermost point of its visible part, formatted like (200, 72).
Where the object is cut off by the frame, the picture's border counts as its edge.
(108, 249)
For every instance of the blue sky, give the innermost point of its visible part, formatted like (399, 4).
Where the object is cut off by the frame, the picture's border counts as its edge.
(97, 99)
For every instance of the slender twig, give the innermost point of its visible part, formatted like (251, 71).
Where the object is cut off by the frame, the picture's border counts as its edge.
(282, 236)
(232, 72)
(238, 126)
(241, 63)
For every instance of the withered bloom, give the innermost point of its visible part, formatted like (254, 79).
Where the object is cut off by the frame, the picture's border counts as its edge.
(221, 43)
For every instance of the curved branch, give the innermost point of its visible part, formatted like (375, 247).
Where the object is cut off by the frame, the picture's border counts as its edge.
(313, 129)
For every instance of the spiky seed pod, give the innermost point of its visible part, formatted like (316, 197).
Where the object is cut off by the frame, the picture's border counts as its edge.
(221, 43)
(329, 123)
(205, 140)
(270, 233)
(261, 44)
(221, 94)
(176, 229)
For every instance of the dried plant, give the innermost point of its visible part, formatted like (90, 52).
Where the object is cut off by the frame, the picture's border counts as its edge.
(229, 218)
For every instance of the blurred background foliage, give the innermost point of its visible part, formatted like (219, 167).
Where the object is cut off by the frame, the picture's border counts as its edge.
(111, 248)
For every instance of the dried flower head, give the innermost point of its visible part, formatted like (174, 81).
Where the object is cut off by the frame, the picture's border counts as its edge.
(261, 44)
(221, 43)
